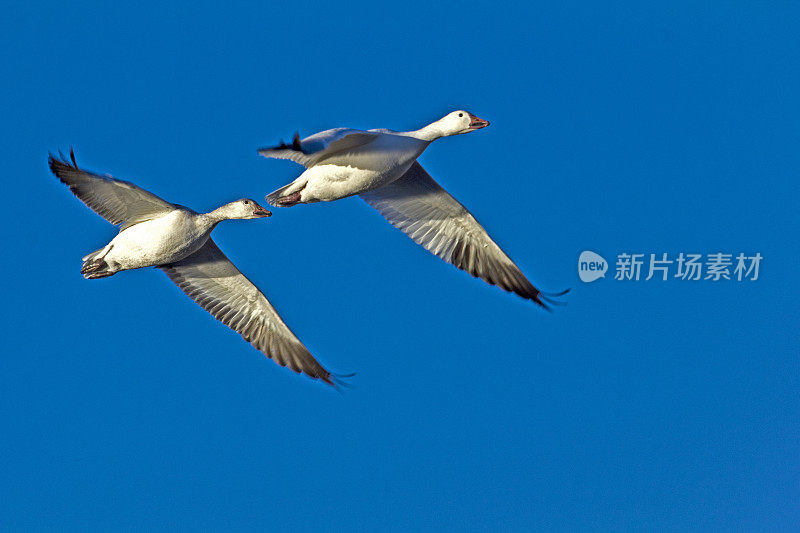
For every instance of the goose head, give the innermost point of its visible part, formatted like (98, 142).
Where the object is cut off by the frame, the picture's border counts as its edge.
(461, 121)
(455, 123)
(244, 209)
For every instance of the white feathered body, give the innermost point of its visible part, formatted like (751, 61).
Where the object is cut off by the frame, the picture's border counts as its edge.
(369, 167)
(158, 241)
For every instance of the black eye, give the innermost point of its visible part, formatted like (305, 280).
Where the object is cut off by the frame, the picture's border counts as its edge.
(461, 114)
(246, 202)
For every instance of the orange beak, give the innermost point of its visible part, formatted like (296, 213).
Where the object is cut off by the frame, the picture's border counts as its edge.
(477, 123)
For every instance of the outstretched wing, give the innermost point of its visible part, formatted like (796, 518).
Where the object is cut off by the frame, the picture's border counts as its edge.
(209, 278)
(119, 202)
(422, 209)
(315, 148)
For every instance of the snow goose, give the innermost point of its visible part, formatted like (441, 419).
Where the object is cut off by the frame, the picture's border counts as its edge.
(381, 166)
(177, 240)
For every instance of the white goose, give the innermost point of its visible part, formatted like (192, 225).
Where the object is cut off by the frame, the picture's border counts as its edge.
(177, 240)
(381, 166)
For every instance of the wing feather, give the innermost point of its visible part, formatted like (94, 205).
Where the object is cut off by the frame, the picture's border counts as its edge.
(315, 148)
(118, 201)
(210, 279)
(421, 208)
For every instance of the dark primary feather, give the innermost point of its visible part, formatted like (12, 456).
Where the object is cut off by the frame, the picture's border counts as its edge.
(296, 146)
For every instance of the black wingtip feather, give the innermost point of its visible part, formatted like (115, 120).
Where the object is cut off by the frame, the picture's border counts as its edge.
(296, 145)
(556, 294)
(544, 298)
(60, 163)
(337, 381)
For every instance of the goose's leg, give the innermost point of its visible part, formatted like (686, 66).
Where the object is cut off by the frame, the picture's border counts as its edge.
(95, 266)
(290, 200)
(289, 195)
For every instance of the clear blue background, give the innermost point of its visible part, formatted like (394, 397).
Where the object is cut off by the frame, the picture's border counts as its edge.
(619, 128)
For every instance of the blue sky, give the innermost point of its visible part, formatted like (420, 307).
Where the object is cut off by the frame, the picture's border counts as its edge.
(619, 128)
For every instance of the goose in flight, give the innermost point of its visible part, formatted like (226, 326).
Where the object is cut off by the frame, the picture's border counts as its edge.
(154, 232)
(381, 166)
